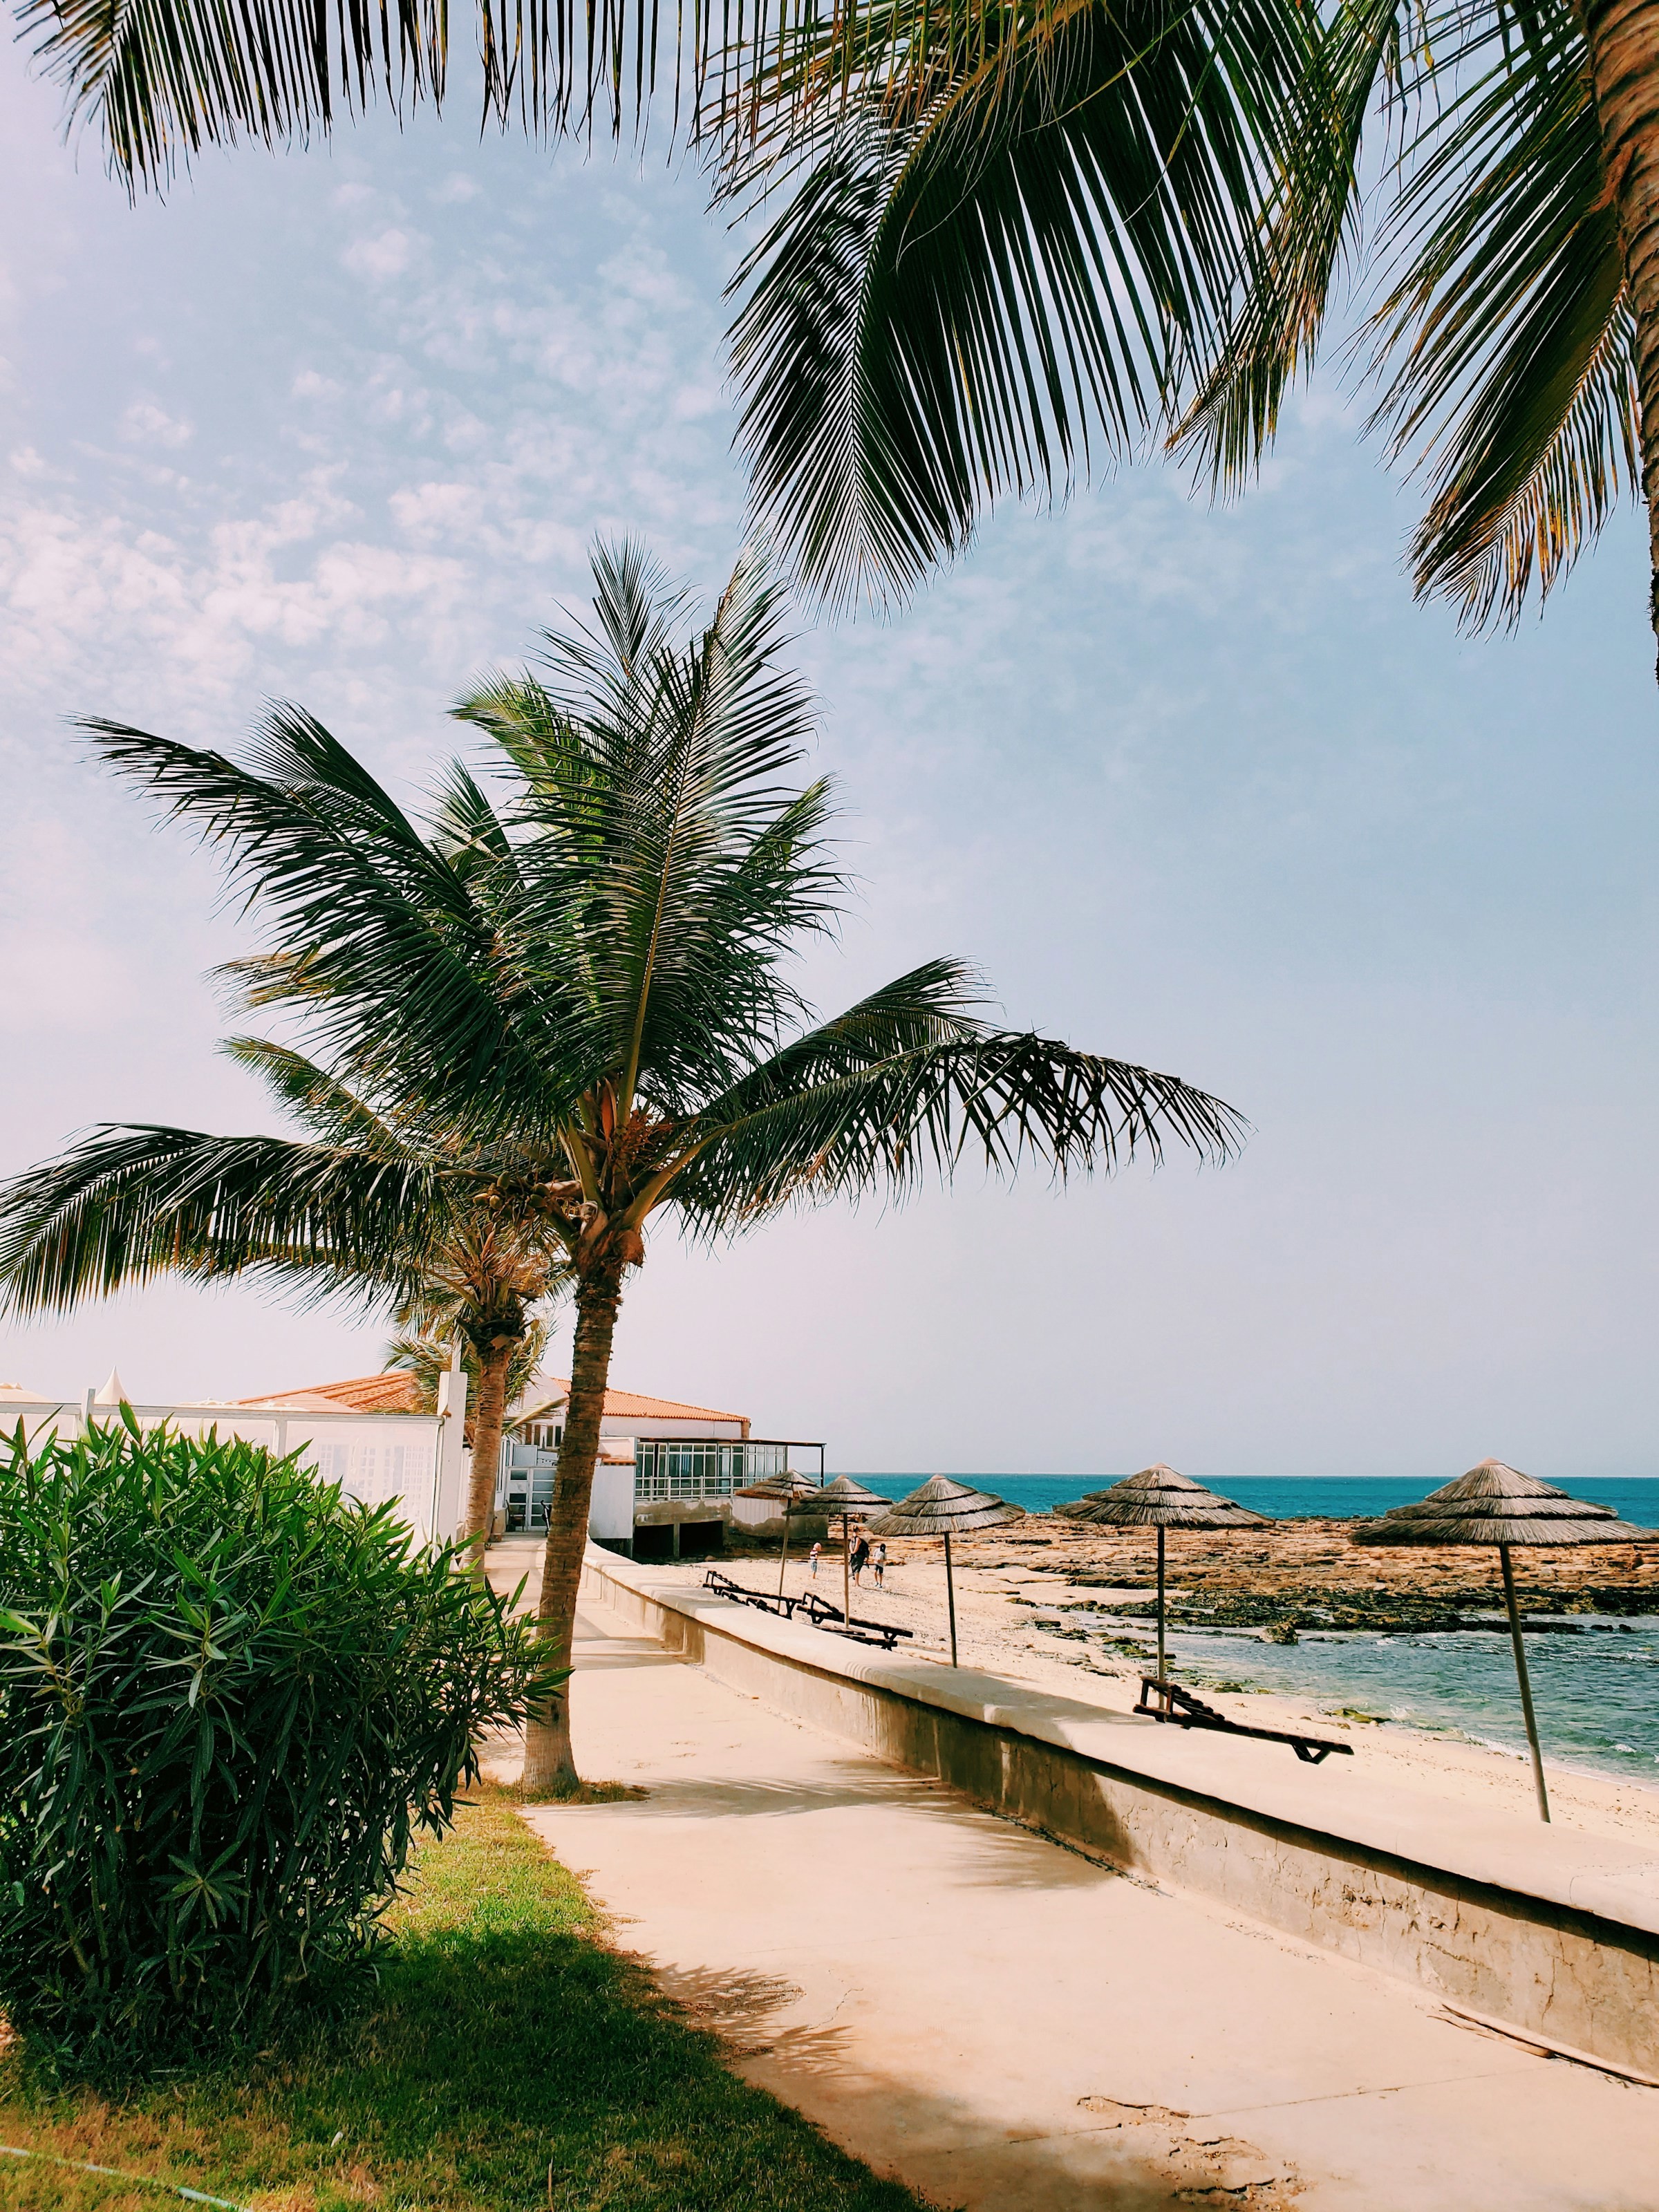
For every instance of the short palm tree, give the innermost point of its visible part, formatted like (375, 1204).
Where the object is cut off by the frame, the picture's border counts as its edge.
(1073, 229)
(426, 1358)
(579, 997)
(371, 1207)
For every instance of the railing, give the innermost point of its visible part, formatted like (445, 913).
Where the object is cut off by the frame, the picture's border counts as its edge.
(666, 1470)
(669, 1467)
(673, 1467)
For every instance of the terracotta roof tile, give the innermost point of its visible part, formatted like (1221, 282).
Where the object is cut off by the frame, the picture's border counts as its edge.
(628, 1405)
(394, 1392)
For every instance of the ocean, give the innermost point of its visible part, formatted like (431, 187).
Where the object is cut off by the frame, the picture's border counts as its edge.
(1286, 1498)
(1597, 1694)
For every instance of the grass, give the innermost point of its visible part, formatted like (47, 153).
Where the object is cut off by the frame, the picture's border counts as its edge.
(508, 2062)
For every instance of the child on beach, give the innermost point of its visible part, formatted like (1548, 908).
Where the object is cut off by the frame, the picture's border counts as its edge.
(879, 1562)
(812, 1558)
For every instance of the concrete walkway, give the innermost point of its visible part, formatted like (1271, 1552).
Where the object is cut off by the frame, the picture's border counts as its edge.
(1000, 2023)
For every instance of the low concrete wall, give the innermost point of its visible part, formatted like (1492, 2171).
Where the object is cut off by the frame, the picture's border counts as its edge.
(1555, 1931)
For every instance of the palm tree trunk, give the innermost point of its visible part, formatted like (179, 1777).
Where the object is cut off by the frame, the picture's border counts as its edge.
(547, 1755)
(1623, 37)
(488, 1416)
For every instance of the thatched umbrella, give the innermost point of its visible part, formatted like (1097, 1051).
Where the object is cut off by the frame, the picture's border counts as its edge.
(943, 1508)
(1158, 1497)
(1078, 1509)
(853, 1502)
(783, 1490)
(1494, 1505)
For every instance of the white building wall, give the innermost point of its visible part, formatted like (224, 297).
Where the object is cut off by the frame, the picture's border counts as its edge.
(375, 1457)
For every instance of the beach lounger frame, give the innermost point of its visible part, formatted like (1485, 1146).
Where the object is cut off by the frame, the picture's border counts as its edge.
(1168, 1701)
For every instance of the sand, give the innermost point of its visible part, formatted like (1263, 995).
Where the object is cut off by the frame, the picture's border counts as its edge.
(1001, 1578)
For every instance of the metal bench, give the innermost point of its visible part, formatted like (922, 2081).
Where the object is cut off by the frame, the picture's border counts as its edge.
(1169, 1702)
(822, 1614)
(817, 1610)
(763, 1600)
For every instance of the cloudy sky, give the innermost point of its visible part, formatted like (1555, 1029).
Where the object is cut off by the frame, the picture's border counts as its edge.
(1203, 789)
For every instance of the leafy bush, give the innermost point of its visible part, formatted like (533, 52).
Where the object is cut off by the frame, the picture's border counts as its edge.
(228, 1697)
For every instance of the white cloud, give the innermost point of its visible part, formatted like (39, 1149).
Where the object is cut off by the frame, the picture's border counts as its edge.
(385, 255)
(143, 423)
(308, 385)
(455, 189)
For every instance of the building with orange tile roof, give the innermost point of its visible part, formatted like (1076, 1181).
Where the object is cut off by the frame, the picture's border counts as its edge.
(666, 1470)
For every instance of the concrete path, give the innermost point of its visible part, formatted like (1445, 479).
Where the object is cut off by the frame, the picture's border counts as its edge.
(1001, 2023)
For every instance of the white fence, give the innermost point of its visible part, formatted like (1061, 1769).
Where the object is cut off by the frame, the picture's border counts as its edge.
(414, 1460)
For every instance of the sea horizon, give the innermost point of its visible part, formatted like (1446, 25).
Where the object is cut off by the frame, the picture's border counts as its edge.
(1287, 1497)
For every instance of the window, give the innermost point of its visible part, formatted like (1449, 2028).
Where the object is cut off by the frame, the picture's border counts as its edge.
(667, 1467)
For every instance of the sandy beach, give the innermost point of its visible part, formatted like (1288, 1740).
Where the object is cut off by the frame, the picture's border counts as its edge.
(1018, 1592)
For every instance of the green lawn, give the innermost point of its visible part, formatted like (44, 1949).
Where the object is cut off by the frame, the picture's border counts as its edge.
(508, 2062)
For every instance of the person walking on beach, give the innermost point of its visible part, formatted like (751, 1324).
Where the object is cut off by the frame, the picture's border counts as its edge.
(860, 1559)
(879, 1562)
(812, 1558)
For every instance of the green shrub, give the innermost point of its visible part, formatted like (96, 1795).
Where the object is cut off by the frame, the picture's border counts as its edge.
(228, 1697)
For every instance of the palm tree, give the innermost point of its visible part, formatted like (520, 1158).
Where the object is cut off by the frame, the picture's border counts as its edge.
(371, 1208)
(580, 1000)
(426, 1359)
(1001, 260)
(686, 873)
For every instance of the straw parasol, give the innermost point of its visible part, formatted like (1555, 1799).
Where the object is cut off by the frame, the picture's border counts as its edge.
(1494, 1505)
(1078, 1509)
(1158, 1498)
(781, 1490)
(853, 1502)
(947, 1509)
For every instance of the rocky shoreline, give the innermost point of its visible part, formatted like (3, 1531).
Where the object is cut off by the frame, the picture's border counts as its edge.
(1045, 1600)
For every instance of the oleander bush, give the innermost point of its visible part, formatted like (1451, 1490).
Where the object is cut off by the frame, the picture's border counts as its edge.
(230, 1698)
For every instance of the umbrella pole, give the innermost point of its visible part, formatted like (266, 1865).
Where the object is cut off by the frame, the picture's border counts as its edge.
(1160, 1604)
(846, 1570)
(1519, 1643)
(951, 1596)
(783, 1555)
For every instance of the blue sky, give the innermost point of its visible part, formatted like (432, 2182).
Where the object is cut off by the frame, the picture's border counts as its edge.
(1201, 787)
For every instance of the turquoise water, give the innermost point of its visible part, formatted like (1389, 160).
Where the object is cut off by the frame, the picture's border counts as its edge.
(1596, 1692)
(1288, 1497)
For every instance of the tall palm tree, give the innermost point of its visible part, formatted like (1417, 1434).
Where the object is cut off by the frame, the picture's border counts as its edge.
(684, 874)
(580, 1000)
(372, 1206)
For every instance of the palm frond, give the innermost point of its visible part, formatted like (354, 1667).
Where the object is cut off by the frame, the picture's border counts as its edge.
(995, 277)
(1539, 460)
(1506, 334)
(661, 849)
(159, 80)
(1309, 237)
(329, 1109)
(906, 1083)
(133, 1203)
(378, 938)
